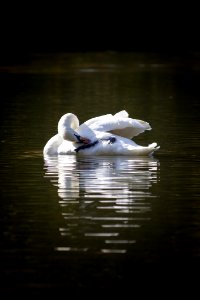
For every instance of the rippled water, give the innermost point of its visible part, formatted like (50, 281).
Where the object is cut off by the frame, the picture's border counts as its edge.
(104, 201)
(78, 223)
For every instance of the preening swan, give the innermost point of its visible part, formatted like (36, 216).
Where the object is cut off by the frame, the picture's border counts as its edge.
(104, 135)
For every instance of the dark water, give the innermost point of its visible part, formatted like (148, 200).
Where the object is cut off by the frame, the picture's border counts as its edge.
(109, 223)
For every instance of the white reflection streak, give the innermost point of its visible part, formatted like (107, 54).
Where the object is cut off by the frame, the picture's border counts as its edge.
(102, 234)
(120, 226)
(113, 186)
(70, 249)
(113, 251)
(120, 241)
(65, 173)
(100, 178)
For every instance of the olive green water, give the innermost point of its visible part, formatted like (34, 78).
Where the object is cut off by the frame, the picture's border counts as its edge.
(74, 223)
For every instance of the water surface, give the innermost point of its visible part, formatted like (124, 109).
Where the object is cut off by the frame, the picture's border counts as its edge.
(75, 223)
(104, 200)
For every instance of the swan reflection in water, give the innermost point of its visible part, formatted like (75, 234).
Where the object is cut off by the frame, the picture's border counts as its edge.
(104, 200)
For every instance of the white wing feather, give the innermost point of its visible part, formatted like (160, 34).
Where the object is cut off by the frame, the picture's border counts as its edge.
(118, 124)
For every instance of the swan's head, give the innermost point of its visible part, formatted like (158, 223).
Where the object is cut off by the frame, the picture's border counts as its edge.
(67, 125)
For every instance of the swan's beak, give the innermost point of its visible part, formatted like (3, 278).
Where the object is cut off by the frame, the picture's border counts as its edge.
(83, 140)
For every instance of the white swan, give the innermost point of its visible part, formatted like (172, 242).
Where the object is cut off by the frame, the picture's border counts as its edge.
(104, 135)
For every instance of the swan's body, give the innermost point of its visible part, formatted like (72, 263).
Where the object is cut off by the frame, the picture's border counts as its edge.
(104, 135)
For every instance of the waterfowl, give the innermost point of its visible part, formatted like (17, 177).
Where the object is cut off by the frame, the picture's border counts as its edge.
(104, 135)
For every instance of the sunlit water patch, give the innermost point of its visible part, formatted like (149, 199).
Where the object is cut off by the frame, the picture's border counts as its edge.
(104, 200)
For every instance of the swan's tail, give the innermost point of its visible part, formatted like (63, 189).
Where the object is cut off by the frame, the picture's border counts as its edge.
(142, 150)
(153, 147)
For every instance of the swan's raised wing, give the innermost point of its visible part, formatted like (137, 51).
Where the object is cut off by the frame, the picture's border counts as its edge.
(105, 118)
(118, 124)
(85, 131)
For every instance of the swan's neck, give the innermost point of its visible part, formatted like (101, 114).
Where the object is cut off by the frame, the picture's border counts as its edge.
(66, 127)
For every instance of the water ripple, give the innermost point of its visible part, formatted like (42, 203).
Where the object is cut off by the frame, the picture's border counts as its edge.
(101, 198)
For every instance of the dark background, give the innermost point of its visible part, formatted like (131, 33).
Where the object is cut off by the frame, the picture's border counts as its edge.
(33, 28)
(170, 31)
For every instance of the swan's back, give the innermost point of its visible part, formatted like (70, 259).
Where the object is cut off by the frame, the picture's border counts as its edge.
(119, 124)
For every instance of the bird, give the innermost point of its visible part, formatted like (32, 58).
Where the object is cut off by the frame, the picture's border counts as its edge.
(109, 134)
